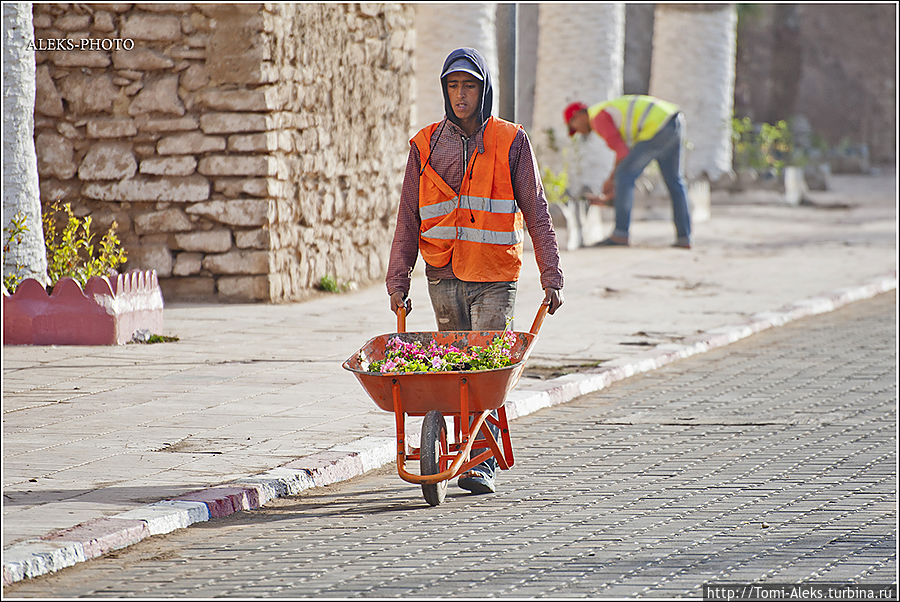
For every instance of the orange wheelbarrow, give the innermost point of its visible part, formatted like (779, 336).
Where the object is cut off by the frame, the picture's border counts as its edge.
(468, 396)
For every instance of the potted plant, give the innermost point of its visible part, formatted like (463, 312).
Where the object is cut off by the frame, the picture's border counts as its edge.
(765, 157)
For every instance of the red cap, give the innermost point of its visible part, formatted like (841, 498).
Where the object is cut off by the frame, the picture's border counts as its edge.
(570, 111)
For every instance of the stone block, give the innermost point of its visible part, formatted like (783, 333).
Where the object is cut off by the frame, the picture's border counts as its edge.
(252, 239)
(191, 143)
(187, 264)
(188, 288)
(111, 128)
(47, 100)
(244, 288)
(68, 130)
(235, 187)
(166, 7)
(174, 124)
(158, 96)
(103, 21)
(151, 257)
(186, 189)
(251, 143)
(72, 22)
(141, 59)
(151, 27)
(41, 20)
(53, 189)
(238, 262)
(235, 212)
(88, 94)
(233, 123)
(210, 241)
(91, 59)
(133, 89)
(236, 165)
(195, 77)
(233, 100)
(55, 156)
(108, 161)
(169, 166)
(169, 220)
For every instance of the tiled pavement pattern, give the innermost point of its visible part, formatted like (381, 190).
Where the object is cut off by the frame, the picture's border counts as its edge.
(772, 459)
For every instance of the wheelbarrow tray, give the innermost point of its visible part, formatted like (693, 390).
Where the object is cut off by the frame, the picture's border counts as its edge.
(424, 391)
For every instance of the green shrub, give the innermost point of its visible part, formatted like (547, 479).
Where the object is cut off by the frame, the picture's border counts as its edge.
(16, 228)
(763, 146)
(70, 247)
(330, 284)
(71, 252)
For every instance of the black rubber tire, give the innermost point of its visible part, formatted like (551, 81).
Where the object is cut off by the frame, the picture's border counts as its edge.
(433, 444)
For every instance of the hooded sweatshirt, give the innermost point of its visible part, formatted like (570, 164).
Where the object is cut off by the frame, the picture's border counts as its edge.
(450, 147)
(487, 88)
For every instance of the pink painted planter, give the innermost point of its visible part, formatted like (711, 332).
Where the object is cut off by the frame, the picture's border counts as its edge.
(107, 312)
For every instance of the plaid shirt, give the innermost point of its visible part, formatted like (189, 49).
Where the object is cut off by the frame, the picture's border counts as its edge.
(451, 147)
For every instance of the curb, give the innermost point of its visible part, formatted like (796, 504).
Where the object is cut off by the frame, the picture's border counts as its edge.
(92, 539)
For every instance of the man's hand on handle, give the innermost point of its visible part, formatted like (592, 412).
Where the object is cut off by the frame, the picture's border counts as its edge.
(554, 298)
(399, 300)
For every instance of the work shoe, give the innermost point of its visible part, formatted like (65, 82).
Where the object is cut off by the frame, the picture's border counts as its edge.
(613, 241)
(682, 243)
(476, 482)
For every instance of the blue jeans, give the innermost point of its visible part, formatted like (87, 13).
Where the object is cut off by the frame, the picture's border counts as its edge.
(461, 305)
(665, 147)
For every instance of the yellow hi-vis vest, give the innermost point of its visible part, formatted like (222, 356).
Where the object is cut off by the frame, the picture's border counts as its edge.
(481, 229)
(637, 117)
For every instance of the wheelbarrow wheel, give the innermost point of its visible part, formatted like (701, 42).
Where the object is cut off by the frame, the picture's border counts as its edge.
(433, 445)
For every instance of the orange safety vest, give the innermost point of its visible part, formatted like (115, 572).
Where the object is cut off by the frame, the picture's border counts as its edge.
(481, 229)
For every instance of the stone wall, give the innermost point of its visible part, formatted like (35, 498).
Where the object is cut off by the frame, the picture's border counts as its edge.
(844, 78)
(245, 151)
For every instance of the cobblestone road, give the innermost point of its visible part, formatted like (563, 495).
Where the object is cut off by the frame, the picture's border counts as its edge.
(772, 459)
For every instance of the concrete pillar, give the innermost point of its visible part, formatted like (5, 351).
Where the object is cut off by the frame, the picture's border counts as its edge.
(440, 29)
(693, 66)
(21, 193)
(507, 51)
(580, 58)
(526, 62)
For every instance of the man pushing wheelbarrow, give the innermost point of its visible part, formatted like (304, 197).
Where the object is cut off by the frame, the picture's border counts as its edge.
(471, 184)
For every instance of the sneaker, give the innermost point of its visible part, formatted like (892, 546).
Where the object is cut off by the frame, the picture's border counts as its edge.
(476, 482)
(613, 241)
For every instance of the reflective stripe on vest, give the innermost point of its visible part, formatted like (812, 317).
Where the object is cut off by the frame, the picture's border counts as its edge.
(475, 203)
(490, 237)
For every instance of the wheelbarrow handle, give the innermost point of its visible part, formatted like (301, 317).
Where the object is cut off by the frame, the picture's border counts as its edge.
(539, 318)
(401, 319)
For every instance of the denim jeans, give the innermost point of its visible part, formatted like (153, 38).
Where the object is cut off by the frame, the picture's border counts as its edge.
(665, 147)
(461, 305)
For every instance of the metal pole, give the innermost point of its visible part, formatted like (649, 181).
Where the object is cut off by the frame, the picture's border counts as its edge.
(507, 46)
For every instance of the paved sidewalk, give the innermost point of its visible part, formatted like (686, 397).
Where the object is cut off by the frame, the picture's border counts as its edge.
(105, 446)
